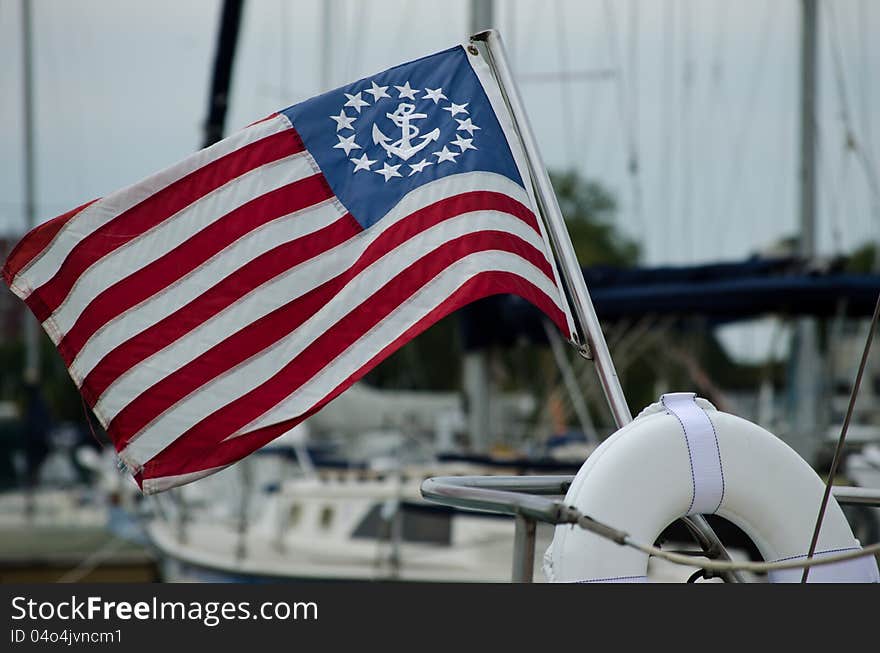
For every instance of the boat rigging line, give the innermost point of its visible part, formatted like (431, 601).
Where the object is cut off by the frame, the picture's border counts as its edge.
(565, 90)
(716, 102)
(686, 137)
(634, 160)
(851, 142)
(743, 131)
(627, 112)
(838, 452)
(864, 85)
(668, 95)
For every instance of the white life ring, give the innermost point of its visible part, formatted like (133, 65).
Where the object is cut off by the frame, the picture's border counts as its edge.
(682, 456)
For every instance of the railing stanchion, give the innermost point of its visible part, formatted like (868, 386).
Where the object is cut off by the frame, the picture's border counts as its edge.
(524, 549)
(533, 499)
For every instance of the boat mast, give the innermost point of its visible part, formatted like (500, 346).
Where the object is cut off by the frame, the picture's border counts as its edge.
(221, 80)
(475, 372)
(807, 373)
(809, 51)
(328, 13)
(31, 325)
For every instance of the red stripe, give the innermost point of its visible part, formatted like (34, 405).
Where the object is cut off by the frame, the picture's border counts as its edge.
(35, 242)
(156, 209)
(233, 287)
(186, 455)
(188, 318)
(266, 331)
(189, 255)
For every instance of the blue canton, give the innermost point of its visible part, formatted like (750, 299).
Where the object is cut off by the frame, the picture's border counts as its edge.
(379, 138)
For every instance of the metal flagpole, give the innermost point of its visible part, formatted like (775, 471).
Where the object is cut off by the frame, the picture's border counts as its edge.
(547, 203)
(569, 266)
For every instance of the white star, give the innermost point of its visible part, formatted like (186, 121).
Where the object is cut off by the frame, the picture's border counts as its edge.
(346, 143)
(454, 109)
(355, 101)
(418, 167)
(362, 163)
(446, 155)
(463, 143)
(377, 91)
(466, 125)
(435, 94)
(389, 171)
(406, 91)
(343, 121)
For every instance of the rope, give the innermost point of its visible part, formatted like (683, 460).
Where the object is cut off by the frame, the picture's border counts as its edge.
(574, 516)
(89, 564)
(755, 567)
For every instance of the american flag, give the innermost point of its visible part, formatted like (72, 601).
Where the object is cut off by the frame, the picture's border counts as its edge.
(209, 308)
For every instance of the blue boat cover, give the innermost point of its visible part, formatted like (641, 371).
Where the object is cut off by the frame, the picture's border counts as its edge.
(718, 292)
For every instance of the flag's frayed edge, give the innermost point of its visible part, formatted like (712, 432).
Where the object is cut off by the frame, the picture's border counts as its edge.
(126, 463)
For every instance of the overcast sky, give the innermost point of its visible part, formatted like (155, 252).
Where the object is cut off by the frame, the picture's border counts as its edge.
(704, 92)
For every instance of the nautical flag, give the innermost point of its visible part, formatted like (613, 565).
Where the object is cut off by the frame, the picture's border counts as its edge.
(209, 308)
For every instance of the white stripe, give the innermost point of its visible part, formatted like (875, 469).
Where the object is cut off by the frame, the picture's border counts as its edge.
(226, 389)
(445, 187)
(43, 267)
(300, 279)
(173, 232)
(284, 289)
(266, 237)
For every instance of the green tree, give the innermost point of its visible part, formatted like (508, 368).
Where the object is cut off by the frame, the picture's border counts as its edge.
(589, 210)
(863, 259)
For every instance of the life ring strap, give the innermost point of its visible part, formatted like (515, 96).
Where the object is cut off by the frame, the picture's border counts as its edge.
(707, 474)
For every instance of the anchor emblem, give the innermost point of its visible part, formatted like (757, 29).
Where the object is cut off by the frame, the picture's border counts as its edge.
(403, 147)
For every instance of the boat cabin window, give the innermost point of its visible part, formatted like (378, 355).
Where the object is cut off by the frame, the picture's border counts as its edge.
(293, 515)
(422, 524)
(326, 516)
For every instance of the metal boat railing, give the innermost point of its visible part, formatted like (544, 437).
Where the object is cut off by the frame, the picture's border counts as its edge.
(533, 499)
